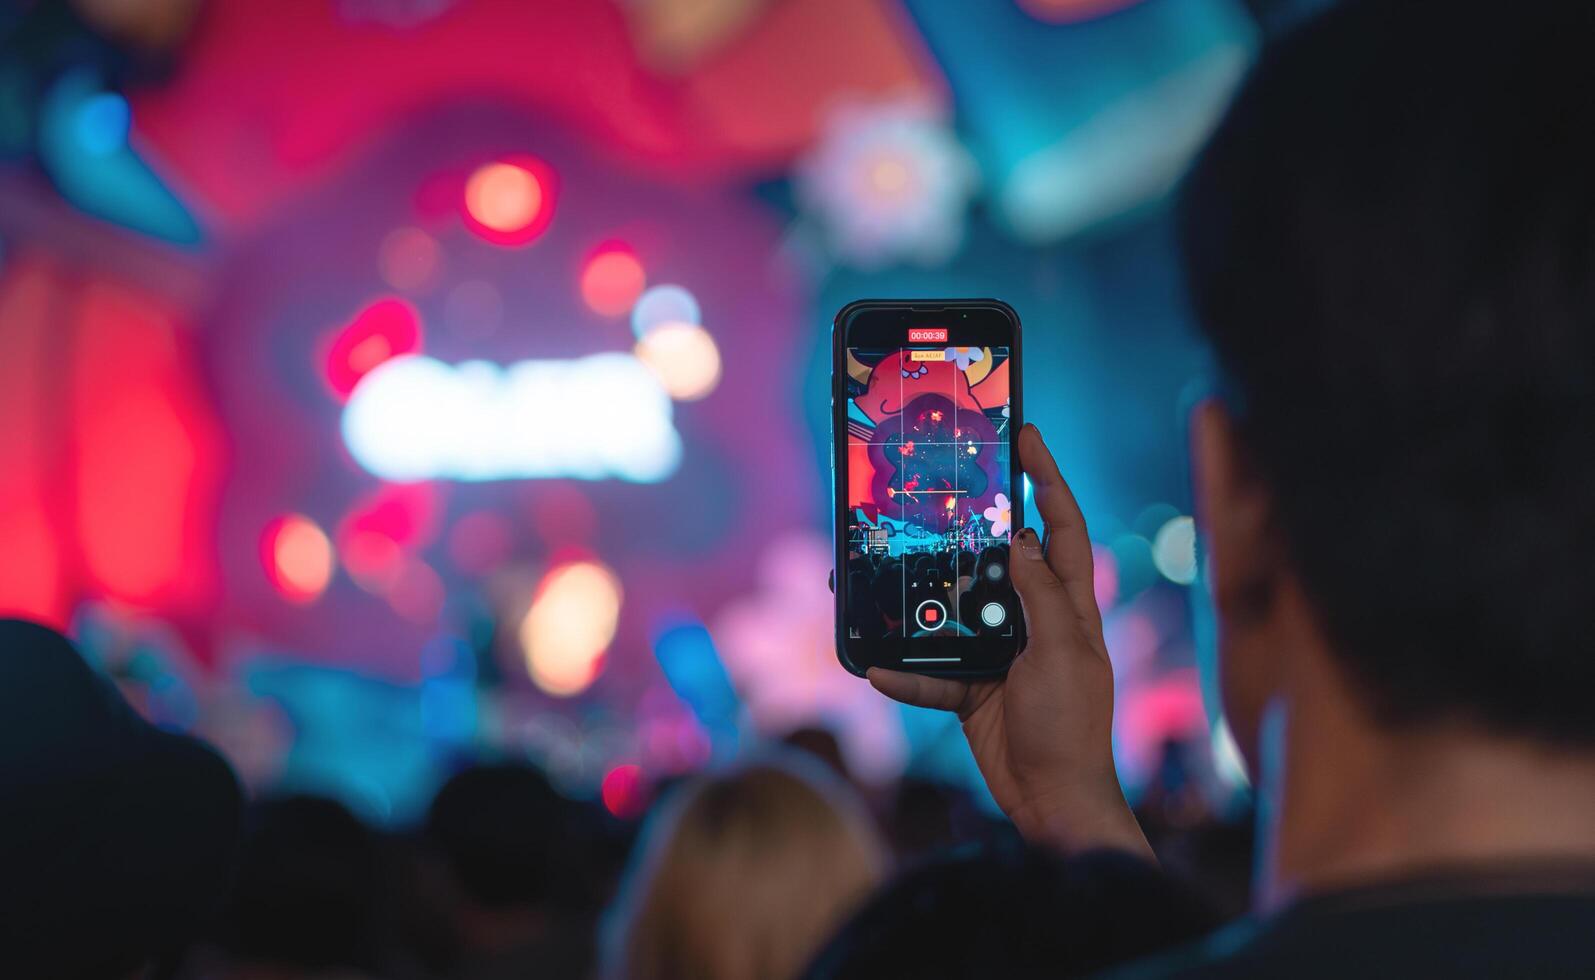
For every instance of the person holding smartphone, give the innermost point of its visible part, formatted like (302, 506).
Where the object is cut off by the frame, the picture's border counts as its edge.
(1390, 242)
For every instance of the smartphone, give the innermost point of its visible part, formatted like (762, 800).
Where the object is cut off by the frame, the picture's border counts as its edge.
(925, 414)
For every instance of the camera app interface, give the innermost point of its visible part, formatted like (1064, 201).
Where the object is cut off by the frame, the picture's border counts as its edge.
(930, 506)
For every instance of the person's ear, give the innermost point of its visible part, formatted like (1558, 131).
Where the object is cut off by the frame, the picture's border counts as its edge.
(1234, 508)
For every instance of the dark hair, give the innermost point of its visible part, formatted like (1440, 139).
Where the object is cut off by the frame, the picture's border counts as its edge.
(1008, 910)
(311, 889)
(503, 830)
(1390, 242)
(117, 840)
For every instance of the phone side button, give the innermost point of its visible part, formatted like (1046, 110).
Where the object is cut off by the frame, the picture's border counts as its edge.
(833, 581)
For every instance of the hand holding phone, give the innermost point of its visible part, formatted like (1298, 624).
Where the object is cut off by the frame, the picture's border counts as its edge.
(1043, 734)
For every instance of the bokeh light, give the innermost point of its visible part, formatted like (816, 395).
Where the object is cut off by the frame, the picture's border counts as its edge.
(510, 202)
(297, 557)
(1132, 554)
(662, 305)
(612, 280)
(622, 791)
(408, 259)
(381, 331)
(1174, 550)
(503, 197)
(683, 357)
(569, 626)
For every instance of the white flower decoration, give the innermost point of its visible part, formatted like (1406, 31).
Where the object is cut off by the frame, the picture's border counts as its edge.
(888, 182)
(1000, 515)
(964, 356)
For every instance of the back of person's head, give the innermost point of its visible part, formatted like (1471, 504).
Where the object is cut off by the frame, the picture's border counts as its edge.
(502, 831)
(1007, 910)
(311, 890)
(742, 875)
(117, 839)
(819, 742)
(1390, 243)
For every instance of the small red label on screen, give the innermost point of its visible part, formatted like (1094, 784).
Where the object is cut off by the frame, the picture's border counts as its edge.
(927, 335)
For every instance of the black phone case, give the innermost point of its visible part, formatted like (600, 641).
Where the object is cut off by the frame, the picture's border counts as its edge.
(839, 424)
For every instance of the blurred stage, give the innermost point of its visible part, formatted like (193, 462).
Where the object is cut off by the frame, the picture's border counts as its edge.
(387, 383)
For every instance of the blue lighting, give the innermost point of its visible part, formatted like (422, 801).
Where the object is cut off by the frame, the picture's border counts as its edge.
(102, 122)
(692, 666)
(83, 146)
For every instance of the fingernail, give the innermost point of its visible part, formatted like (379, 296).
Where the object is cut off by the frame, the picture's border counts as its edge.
(1029, 545)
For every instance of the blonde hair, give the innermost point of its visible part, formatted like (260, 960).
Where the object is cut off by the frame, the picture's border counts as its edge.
(743, 876)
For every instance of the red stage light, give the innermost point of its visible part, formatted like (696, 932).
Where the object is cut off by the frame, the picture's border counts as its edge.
(147, 454)
(510, 202)
(622, 791)
(612, 280)
(297, 557)
(385, 329)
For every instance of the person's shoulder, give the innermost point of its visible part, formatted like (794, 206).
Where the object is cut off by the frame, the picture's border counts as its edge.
(1422, 928)
(1226, 953)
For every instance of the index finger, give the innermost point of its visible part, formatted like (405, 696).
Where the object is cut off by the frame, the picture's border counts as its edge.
(1068, 545)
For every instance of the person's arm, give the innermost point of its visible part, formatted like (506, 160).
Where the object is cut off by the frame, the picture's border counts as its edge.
(1042, 734)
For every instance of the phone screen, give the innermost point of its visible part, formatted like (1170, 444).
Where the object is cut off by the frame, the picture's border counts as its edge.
(926, 477)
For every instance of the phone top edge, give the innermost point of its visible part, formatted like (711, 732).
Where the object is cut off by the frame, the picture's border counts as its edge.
(925, 305)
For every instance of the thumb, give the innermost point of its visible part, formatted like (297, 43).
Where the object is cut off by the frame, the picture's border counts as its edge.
(1048, 610)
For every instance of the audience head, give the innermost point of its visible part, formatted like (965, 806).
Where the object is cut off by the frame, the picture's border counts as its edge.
(926, 816)
(1389, 243)
(743, 875)
(310, 891)
(820, 743)
(966, 563)
(502, 830)
(1007, 910)
(116, 839)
